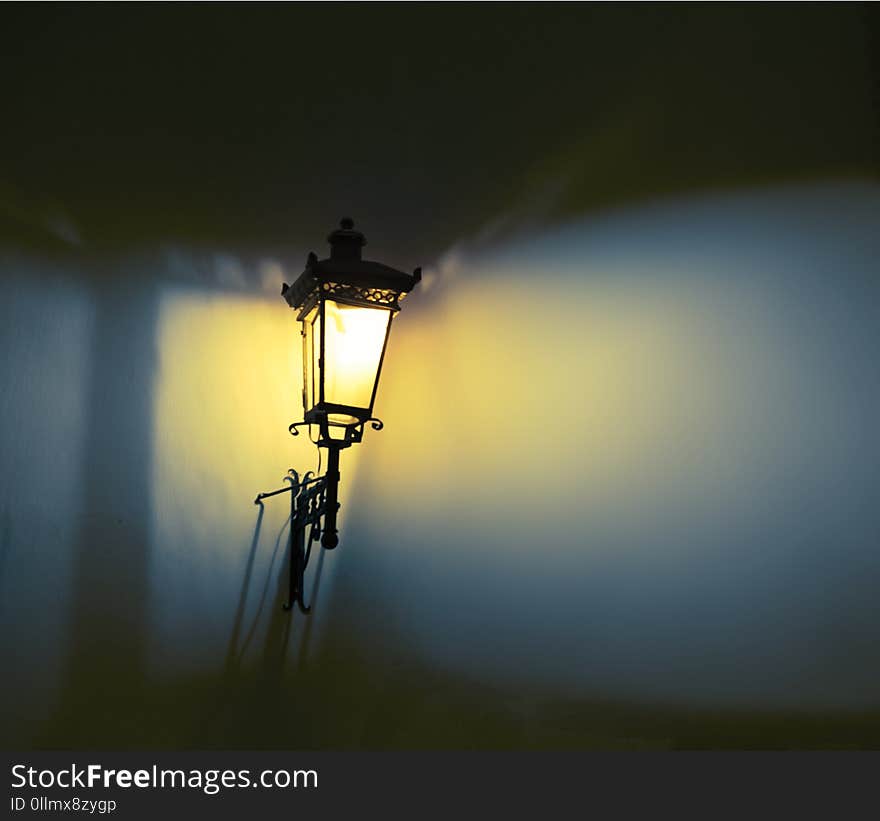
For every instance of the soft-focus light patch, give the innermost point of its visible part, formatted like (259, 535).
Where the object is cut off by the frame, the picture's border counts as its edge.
(635, 455)
(603, 387)
(228, 385)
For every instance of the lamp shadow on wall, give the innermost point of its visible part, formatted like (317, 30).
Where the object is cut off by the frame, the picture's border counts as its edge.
(278, 634)
(277, 638)
(232, 652)
(258, 698)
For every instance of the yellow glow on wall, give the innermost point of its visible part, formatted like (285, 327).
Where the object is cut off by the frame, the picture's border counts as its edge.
(518, 390)
(615, 390)
(228, 385)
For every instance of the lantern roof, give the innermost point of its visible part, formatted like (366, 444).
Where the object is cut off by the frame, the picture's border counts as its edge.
(344, 273)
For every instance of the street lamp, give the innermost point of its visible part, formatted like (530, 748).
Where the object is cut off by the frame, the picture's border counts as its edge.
(346, 305)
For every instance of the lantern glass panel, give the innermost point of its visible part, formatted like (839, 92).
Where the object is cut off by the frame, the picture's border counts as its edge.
(354, 340)
(311, 329)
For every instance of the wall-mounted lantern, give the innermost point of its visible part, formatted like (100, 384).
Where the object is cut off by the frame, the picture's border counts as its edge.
(346, 305)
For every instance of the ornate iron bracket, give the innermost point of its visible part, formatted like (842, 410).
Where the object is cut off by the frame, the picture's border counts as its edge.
(353, 434)
(308, 505)
(314, 503)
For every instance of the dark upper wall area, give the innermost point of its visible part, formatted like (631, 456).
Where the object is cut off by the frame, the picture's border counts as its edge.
(259, 127)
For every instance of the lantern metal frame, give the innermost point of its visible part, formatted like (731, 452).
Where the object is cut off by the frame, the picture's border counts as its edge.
(347, 279)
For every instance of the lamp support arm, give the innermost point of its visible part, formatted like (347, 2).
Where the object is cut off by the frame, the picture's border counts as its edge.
(330, 537)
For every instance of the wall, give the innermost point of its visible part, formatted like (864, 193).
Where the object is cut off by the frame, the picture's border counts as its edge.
(628, 457)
